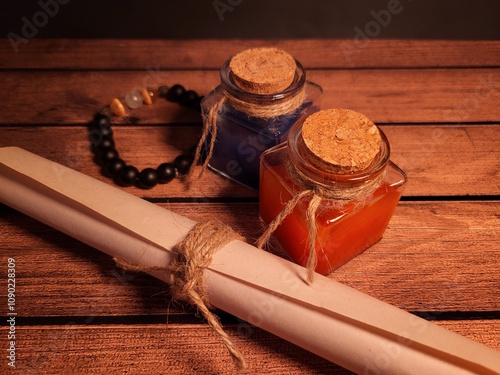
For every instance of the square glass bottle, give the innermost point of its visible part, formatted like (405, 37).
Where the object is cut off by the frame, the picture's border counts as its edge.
(354, 206)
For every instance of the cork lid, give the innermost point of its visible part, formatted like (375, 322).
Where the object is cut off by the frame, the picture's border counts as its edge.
(263, 70)
(344, 139)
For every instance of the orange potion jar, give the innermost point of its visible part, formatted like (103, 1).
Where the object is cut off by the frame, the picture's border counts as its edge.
(332, 185)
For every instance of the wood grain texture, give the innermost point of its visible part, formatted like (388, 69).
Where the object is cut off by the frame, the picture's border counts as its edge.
(186, 349)
(211, 54)
(384, 96)
(158, 349)
(438, 160)
(437, 102)
(430, 256)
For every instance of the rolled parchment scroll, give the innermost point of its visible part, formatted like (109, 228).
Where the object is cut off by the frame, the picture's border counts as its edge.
(337, 322)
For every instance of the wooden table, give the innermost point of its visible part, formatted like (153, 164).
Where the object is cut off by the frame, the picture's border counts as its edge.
(438, 103)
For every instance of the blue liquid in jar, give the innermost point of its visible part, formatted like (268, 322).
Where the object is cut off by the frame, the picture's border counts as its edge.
(241, 139)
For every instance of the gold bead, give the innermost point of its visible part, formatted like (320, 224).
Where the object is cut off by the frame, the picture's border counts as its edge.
(117, 107)
(149, 96)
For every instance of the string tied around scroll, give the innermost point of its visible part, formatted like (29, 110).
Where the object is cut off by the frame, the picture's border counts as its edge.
(195, 253)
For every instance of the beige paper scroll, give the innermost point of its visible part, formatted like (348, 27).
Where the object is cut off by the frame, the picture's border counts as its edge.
(332, 320)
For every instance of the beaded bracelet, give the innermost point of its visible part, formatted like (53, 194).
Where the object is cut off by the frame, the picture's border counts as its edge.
(103, 145)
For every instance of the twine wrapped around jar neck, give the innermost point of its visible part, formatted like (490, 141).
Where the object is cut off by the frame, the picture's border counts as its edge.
(336, 190)
(266, 111)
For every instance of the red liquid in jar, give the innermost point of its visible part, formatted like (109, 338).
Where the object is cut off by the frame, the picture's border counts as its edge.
(345, 228)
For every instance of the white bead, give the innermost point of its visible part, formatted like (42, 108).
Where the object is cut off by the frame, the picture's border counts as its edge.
(134, 99)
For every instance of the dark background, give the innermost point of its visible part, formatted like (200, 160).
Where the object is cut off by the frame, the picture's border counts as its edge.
(434, 19)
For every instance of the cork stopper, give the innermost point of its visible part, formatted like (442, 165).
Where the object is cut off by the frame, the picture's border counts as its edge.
(345, 140)
(263, 70)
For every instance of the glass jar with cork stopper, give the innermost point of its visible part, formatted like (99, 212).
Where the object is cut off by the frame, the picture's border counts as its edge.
(263, 92)
(331, 187)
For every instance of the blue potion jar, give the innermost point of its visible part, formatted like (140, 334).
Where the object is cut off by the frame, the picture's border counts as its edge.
(263, 93)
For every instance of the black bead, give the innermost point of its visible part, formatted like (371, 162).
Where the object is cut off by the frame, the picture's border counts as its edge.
(106, 154)
(175, 93)
(166, 172)
(148, 178)
(114, 166)
(96, 136)
(182, 163)
(101, 121)
(99, 133)
(104, 142)
(102, 124)
(127, 175)
(106, 132)
(189, 99)
(107, 142)
(163, 91)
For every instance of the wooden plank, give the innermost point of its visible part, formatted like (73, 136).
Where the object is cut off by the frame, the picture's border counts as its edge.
(140, 146)
(438, 160)
(435, 256)
(186, 349)
(211, 54)
(385, 96)
(442, 254)
(447, 160)
(484, 331)
(419, 95)
(438, 258)
(152, 349)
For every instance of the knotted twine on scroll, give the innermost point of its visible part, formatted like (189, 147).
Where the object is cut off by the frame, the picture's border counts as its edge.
(318, 192)
(195, 253)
